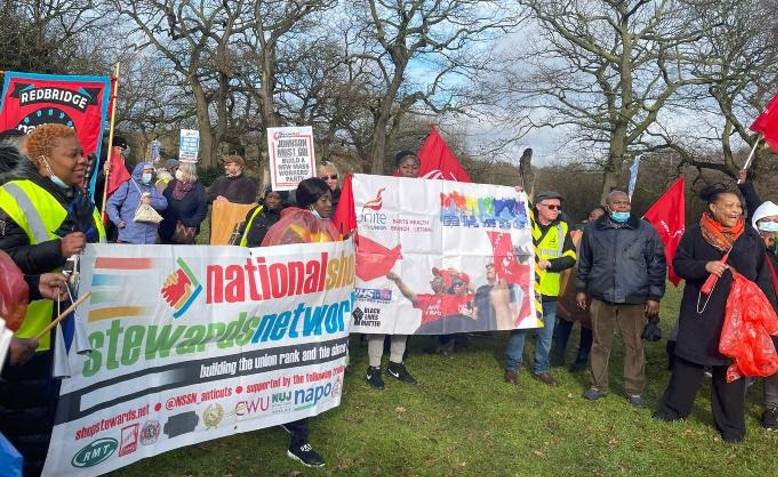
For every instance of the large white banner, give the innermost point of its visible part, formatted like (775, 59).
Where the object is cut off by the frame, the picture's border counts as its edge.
(438, 257)
(192, 343)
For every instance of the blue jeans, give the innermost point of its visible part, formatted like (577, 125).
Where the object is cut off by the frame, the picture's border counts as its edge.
(542, 342)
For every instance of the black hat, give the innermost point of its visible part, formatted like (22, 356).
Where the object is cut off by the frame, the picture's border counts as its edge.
(119, 141)
(547, 194)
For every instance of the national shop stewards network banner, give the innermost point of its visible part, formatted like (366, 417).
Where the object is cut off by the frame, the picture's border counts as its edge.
(437, 257)
(194, 343)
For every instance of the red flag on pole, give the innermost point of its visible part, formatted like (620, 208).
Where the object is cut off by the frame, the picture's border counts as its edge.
(767, 124)
(668, 216)
(438, 162)
(118, 174)
(345, 216)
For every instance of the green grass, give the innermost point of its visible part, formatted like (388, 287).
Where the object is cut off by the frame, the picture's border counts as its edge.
(463, 420)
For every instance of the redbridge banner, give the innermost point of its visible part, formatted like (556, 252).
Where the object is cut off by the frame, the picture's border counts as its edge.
(439, 257)
(192, 343)
(79, 102)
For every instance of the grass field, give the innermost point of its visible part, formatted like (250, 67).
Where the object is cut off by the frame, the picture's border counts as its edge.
(463, 420)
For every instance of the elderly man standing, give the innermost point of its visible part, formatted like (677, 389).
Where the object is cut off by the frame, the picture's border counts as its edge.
(554, 252)
(622, 268)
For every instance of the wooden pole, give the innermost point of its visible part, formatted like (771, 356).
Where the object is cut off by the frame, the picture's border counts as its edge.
(63, 315)
(750, 157)
(114, 97)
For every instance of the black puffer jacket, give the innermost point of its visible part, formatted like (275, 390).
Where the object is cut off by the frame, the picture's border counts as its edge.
(621, 263)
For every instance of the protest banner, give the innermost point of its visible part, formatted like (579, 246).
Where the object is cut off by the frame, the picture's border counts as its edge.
(189, 145)
(291, 156)
(192, 343)
(438, 257)
(226, 216)
(79, 102)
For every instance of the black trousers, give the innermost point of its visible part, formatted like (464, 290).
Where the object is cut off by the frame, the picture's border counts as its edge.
(727, 400)
(299, 431)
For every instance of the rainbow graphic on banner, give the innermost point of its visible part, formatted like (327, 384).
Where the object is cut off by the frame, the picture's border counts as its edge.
(107, 282)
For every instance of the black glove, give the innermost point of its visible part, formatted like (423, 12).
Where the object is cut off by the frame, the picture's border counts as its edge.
(652, 332)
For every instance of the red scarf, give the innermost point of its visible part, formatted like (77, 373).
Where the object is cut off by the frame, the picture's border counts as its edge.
(719, 237)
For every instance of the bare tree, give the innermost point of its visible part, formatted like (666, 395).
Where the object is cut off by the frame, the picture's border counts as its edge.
(440, 38)
(606, 67)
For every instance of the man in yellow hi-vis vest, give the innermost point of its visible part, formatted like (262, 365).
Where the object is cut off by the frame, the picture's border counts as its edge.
(554, 252)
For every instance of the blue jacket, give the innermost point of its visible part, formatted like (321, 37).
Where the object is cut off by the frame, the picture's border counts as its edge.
(124, 202)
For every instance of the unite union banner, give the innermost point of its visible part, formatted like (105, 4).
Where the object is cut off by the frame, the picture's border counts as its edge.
(192, 343)
(440, 257)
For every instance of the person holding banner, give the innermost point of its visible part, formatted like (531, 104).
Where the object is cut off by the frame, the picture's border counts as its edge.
(46, 218)
(309, 222)
(554, 252)
(234, 186)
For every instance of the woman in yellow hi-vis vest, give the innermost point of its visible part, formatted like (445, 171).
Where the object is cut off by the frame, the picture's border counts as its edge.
(41, 200)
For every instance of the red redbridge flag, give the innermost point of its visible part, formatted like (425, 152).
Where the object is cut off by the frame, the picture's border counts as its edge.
(668, 216)
(767, 124)
(80, 102)
(438, 162)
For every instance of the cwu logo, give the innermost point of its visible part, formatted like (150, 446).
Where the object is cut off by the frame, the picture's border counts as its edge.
(181, 288)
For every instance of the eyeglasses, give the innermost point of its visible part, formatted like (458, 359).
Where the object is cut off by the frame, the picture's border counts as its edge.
(552, 206)
(332, 177)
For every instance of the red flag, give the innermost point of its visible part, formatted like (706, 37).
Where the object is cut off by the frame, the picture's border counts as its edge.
(767, 124)
(119, 174)
(373, 260)
(668, 216)
(438, 162)
(345, 216)
(505, 263)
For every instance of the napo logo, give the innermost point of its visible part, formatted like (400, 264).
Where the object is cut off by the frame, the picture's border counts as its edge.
(213, 415)
(95, 452)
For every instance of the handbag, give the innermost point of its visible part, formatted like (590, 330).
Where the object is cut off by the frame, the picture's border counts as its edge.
(147, 215)
(184, 234)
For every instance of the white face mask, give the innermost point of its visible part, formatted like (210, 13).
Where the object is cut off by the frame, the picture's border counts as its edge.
(179, 175)
(56, 180)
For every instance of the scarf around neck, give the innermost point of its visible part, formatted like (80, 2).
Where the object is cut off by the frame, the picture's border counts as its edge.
(180, 189)
(719, 237)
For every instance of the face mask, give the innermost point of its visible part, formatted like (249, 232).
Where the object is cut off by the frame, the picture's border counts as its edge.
(146, 178)
(619, 217)
(768, 226)
(56, 180)
(179, 175)
(316, 213)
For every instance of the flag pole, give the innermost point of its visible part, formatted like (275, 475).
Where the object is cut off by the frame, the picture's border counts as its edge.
(63, 315)
(750, 157)
(114, 94)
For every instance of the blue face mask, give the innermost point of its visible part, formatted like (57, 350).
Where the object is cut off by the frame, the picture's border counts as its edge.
(56, 180)
(768, 227)
(146, 177)
(619, 217)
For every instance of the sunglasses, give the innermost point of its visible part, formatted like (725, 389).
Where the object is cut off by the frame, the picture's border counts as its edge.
(552, 206)
(332, 177)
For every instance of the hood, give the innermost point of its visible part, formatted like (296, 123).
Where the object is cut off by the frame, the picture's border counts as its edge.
(767, 209)
(14, 164)
(138, 171)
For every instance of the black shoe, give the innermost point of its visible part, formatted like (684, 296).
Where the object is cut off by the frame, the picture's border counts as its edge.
(398, 371)
(373, 378)
(770, 418)
(579, 366)
(306, 455)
